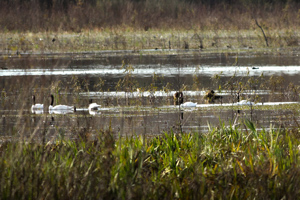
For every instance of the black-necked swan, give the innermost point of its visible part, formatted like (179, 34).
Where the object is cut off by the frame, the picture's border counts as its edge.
(93, 106)
(60, 107)
(36, 106)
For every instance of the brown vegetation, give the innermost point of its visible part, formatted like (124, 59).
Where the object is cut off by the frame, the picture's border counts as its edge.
(77, 15)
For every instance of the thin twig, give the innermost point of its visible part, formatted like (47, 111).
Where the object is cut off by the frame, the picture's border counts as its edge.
(266, 39)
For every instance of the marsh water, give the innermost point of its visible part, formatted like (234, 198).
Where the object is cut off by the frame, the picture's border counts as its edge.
(136, 90)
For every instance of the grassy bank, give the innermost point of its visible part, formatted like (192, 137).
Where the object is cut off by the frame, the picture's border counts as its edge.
(223, 163)
(159, 41)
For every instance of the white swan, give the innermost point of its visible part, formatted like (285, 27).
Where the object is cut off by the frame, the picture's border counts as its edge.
(245, 103)
(94, 112)
(188, 104)
(61, 112)
(93, 106)
(36, 106)
(59, 107)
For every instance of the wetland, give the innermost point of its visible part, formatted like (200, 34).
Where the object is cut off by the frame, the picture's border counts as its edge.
(135, 91)
(233, 67)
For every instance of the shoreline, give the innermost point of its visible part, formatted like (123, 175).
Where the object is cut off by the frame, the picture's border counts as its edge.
(146, 43)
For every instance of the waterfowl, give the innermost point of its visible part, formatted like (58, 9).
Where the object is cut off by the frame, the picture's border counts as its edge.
(59, 107)
(245, 103)
(35, 106)
(94, 112)
(93, 106)
(178, 98)
(189, 104)
(60, 112)
(210, 96)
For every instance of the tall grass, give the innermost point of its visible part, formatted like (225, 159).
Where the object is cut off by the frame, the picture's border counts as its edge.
(222, 163)
(52, 26)
(77, 15)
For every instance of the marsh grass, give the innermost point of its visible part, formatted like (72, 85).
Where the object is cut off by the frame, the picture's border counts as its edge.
(80, 26)
(222, 163)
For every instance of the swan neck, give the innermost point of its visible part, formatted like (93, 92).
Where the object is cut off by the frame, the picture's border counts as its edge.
(33, 100)
(52, 99)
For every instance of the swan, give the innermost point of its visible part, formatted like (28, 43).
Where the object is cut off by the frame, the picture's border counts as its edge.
(245, 103)
(60, 107)
(188, 104)
(94, 112)
(61, 112)
(93, 106)
(36, 106)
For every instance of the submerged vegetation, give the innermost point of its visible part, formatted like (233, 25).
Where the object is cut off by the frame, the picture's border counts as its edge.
(223, 163)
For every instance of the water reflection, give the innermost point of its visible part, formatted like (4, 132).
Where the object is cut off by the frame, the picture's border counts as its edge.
(168, 71)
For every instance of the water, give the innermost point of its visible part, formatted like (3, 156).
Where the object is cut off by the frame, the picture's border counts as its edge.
(140, 100)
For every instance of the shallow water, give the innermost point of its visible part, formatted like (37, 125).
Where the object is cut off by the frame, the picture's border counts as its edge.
(137, 108)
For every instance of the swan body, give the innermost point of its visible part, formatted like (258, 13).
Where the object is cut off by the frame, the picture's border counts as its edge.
(37, 111)
(245, 103)
(188, 104)
(93, 106)
(60, 107)
(62, 111)
(94, 112)
(36, 107)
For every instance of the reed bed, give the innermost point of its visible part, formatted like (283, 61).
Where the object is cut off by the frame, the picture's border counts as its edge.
(48, 26)
(225, 162)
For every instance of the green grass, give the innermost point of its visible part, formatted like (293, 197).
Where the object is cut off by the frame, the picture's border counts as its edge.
(224, 163)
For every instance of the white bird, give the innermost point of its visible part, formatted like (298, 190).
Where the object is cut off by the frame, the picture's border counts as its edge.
(245, 103)
(60, 107)
(93, 106)
(35, 108)
(188, 104)
(94, 112)
(61, 112)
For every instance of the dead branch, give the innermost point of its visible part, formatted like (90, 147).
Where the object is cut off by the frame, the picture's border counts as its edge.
(262, 30)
